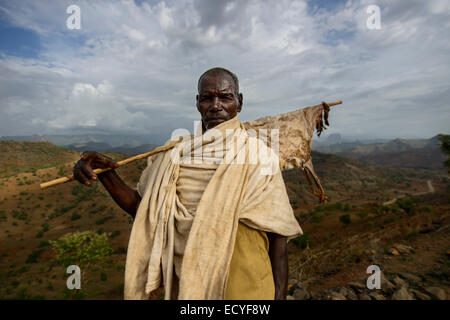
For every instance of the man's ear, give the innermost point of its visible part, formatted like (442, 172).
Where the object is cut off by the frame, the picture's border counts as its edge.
(196, 102)
(240, 99)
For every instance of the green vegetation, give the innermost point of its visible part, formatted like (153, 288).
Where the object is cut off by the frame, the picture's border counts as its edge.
(103, 220)
(34, 256)
(45, 226)
(81, 248)
(75, 216)
(445, 147)
(83, 194)
(19, 215)
(407, 204)
(362, 215)
(85, 249)
(302, 241)
(345, 219)
(115, 234)
(21, 157)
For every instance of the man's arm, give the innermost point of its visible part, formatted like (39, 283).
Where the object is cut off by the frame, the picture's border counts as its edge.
(127, 198)
(279, 260)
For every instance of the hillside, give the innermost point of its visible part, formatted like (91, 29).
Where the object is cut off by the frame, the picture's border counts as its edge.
(331, 255)
(17, 157)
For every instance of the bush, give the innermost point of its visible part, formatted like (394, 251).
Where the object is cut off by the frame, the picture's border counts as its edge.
(407, 204)
(345, 219)
(45, 227)
(103, 220)
(391, 219)
(115, 234)
(43, 243)
(34, 256)
(302, 241)
(75, 216)
(317, 217)
(81, 248)
(362, 215)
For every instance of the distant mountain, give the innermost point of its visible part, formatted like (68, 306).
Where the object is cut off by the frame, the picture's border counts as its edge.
(398, 153)
(64, 140)
(90, 146)
(102, 147)
(134, 150)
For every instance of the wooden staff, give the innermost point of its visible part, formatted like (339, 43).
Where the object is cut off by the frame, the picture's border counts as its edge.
(55, 182)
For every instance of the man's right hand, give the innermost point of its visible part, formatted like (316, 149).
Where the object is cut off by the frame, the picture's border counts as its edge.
(83, 171)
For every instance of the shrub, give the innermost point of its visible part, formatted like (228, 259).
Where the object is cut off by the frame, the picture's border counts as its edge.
(121, 250)
(407, 204)
(302, 241)
(81, 248)
(43, 243)
(115, 233)
(45, 227)
(362, 215)
(103, 220)
(391, 219)
(75, 216)
(317, 217)
(345, 219)
(34, 256)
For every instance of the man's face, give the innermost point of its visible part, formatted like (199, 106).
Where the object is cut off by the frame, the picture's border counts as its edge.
(217, 101)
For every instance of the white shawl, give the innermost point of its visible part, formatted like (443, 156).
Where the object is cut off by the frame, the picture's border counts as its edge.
(245, 190)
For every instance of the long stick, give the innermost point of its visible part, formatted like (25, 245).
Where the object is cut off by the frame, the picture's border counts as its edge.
(55, 182)
(120, 163)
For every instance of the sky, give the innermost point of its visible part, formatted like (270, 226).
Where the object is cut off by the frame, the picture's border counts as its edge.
(132, 67)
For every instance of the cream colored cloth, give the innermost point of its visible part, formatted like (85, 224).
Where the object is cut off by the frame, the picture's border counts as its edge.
(236, 192)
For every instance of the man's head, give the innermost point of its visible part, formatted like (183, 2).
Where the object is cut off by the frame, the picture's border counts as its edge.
(218, 98)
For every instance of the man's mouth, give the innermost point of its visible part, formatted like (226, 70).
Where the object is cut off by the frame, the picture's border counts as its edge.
(215, 119)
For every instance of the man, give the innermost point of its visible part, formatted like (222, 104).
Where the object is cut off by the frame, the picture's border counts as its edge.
(206, 231)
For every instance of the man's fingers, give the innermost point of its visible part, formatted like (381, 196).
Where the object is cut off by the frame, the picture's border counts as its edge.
(113, 164)
(88, 172)
(80, 176)
(106, 162)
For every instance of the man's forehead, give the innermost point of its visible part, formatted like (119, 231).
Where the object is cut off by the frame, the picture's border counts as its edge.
(221, 82)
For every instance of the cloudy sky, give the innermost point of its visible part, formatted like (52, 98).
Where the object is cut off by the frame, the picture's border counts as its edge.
(133, 66)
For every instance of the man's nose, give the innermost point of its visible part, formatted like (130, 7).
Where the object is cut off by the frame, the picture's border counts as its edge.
(215, 104)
